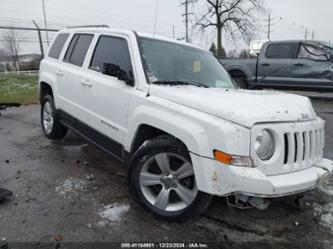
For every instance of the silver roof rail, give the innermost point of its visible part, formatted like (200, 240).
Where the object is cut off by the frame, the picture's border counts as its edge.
(89, 26)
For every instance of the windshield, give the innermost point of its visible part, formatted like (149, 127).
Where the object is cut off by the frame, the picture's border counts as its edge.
(171, 62)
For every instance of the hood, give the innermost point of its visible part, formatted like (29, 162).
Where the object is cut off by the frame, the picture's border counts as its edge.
(244, 107)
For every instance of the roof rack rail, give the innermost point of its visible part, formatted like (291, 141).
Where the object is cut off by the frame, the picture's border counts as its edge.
(89, 26)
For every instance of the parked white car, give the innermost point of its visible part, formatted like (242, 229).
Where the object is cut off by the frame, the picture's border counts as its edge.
(171, 113)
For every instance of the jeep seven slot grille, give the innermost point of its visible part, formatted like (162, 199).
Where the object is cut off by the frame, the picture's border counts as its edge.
(304, 147)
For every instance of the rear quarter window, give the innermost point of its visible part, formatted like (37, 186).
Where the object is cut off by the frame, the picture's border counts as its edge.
(58, 45)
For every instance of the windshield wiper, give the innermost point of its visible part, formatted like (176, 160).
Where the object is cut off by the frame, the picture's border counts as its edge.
(179, 82)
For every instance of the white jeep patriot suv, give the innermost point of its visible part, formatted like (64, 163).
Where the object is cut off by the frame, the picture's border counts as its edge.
(171, 112)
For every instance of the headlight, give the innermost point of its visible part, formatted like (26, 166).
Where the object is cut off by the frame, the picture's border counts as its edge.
(264, 145)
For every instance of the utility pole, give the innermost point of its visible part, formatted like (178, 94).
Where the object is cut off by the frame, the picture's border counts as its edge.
(173, 31)
(306, 32)
(45, 22)
(269, 26)
(186, 15)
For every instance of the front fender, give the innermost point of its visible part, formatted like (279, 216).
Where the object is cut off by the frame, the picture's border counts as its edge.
(199, 131)
(189, 132)
(247, 71)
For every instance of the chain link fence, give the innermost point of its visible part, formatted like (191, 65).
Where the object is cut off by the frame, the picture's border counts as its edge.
(22, 48)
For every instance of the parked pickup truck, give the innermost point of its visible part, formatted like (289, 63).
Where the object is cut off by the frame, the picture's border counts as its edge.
(285, 64)
(172, 114)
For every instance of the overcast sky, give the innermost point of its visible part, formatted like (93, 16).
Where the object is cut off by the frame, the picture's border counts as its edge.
(290, 17)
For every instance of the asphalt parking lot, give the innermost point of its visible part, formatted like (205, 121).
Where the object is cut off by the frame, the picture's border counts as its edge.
(71, 191)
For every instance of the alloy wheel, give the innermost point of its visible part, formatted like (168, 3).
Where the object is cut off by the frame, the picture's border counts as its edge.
(48, 119)
(167, 182)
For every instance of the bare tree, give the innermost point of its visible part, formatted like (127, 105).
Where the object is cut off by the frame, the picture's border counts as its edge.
(2, 53)
(11, 40)
(231, 16)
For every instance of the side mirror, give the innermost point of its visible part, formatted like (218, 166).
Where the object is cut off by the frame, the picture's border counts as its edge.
(331, 57)
(111, 69)
(115, 71)
(125, 77)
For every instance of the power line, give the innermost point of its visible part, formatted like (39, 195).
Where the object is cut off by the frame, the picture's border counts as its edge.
(31, 29)
(73, 14)
(12, 21)
(77, 10)
(121, 23)
(293, 26)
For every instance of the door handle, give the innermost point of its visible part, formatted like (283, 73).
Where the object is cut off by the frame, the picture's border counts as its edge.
(86, 83)
(299, 65)
(265, 64)
(59, 73)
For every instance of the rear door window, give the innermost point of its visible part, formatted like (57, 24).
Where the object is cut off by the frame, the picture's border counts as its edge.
(282, 51)
(112, 52)
(311, 52)
(78, 49)
(58, 45)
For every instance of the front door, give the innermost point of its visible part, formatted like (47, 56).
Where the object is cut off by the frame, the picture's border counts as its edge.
(274, 65)
(106, 97)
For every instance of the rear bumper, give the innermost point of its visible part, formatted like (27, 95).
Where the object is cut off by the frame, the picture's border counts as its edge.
(217, 179)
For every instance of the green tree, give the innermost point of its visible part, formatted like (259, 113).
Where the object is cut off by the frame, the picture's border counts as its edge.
(213, 49)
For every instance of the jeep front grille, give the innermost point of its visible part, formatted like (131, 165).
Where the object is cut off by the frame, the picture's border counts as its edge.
(299, 145)
(303, 147)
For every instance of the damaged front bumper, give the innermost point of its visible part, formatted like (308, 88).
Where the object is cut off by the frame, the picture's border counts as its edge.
(221, 180)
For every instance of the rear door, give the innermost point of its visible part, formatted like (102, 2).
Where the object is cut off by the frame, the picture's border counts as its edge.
(312, 67)
(107, 98)
(71, 87)
(274, 67)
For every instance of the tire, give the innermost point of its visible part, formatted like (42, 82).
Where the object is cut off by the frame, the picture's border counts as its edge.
(51, 125)
(242, 82)
(153, 173)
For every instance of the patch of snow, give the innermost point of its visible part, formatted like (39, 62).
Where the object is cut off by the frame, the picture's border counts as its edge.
(71, 185)
(325, 214)
(114, 212)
